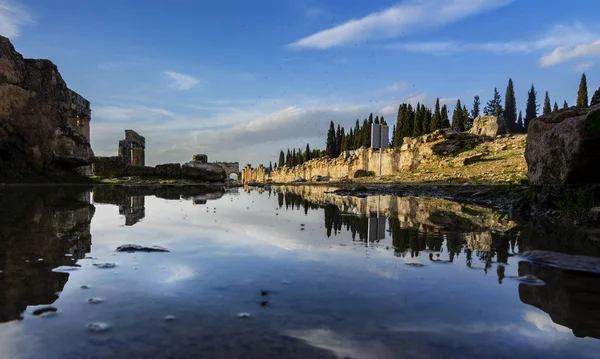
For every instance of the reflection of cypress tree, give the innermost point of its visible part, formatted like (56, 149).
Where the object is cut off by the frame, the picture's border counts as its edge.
(280, 199)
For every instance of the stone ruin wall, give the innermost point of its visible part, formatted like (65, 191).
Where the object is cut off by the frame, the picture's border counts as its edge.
(414, 153)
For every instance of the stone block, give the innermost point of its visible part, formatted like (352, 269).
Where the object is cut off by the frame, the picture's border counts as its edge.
(168, 170)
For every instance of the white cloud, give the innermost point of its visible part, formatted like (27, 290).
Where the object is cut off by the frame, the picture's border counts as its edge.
(584, 66)
(566, 53)
(397, 20)
(181, 81)
(565, 42)
(12, 18)
(395, 87)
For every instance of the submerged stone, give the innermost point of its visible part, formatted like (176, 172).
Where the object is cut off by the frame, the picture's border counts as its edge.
(563, 261)
(95, 300)
(139, 248)
(45, 312)
(105, 265)
(243, 315)
(65, 269)
(98, 327)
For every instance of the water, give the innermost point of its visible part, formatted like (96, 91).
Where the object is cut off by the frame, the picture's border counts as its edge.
(289, 272)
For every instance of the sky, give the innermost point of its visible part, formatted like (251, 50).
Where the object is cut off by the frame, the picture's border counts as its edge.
(239, 80)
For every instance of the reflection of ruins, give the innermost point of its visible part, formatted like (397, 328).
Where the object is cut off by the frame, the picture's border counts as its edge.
(133, 149)
(133, 209)
(34, 225)
(570, 299)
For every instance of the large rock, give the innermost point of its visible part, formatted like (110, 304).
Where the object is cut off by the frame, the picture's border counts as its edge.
(34, 106)
(203, 172)
(71, 148)
(200, 158)
(564, 147)
(491, 126)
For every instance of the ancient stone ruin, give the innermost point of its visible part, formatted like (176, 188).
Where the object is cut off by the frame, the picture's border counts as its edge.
(133, 149)
(44, 126)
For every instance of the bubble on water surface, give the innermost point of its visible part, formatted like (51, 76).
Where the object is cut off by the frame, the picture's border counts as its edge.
(105, 265)
(98, 327)
(85, 286)
(95, 300)
(243, 315)
(169, 318)
(40, 259)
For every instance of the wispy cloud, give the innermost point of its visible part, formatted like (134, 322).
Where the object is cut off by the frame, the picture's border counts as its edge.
(181, 81)
(398, 20)
(566, 53)
(12, 18)
(584, 66)
(565, 43)
(395, 87)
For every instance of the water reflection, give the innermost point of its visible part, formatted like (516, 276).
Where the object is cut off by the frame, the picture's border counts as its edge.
(39, 230)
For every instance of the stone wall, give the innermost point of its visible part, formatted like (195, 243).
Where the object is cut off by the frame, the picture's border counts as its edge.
(414, 153)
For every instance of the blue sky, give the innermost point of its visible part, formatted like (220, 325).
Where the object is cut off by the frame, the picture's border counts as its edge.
(239, 80)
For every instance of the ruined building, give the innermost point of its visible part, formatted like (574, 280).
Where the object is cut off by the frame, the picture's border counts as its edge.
(133, 149)
(79, 114)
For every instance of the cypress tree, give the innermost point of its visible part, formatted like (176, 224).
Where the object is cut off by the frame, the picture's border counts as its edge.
(445, 119)
(547, 108)
(519, 128)
(532, 107)
(565, 104)
(394, 144)
(343, 142)
(288, 159)
(376, 120)
(356, 144)
(294, 158)
(382, 121)
(270, 167)
(436, 120)
(510, 107)
(475, 110)
(595, 97)
(330, 145)
(281, 159)
(411, 119)
(465, 118)
(555, 108)
(494, 106)
(457, 117)
(417, 122)
(307, 154)
(582, 94)
(338, 141)
(427, 119)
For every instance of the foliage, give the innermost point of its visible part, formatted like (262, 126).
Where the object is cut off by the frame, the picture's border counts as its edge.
(510, 108)
(531, 110)
(582, 94)
(547, 108)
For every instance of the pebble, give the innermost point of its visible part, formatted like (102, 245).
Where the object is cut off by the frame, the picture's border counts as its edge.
(85, 286)
(95, 300)
(98, 327)
(105, 265)
(243, 315)
(170, 318)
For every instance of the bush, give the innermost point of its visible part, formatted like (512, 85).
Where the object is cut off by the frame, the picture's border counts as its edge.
(363, 173)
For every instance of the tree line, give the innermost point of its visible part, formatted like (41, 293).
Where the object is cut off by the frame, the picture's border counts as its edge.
(421, 120)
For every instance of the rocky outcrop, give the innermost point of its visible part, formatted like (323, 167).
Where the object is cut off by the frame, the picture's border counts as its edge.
(491, 126)
(564, 147)
(436, 148)
(203, 172)
(34, 108)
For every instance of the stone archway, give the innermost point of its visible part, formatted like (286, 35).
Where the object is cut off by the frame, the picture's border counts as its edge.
(234, 176)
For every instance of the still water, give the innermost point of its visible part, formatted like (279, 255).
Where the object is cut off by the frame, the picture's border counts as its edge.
(291, 272)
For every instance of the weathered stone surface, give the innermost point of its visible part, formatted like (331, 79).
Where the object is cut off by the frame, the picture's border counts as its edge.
(490, 126)
(141, 171)
(71, 148)
(594, 214)
(34, 103)
(564, 147)
(200, 158)
(109, 167)
(168, 170)
(203, 172)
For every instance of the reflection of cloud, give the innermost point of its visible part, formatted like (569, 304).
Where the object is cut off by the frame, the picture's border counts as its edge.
(179, 273)
(15, 343)
(342, 347)
(543, 322)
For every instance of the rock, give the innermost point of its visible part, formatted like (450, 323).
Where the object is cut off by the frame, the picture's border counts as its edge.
(203, 172)
(594, 214)
(138, 248)
(200, 158)
(71, 148)
(488, 126)
(471, 159)
(35, 105)
(564, 147)
(563, 261)
(319, 179)
(168, 170)
(299, 179)
(363, 173)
